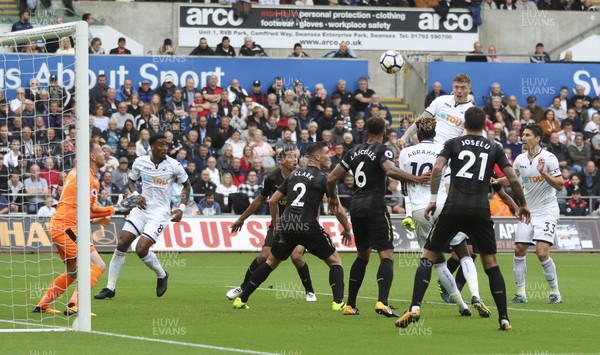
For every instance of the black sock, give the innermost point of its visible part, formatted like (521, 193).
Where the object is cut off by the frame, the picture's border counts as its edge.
(385, 275)
(460, 279)
(249, 272)
(258, 277)
(453, 264)
(357, 274)
(422, 278)
(336, 281)
(498, 289)
(305, 278)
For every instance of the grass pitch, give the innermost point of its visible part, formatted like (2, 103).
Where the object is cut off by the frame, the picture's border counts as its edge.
(195, 317)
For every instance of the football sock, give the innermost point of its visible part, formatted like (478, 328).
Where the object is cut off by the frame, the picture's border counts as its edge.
(461, 281)
(249, 272)
(95, 272)
(152, 262)
(550, 273)
(258, 277)
(453, 265)
(116, 263)
(336, 281)
(447, 281)
(498, 289)
(357, 274)
(520, 271)
(469, 273)
(422, 278)
(58, 287)
(385, 275)
(304, 274)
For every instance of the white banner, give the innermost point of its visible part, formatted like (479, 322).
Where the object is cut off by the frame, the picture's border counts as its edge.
(324, 28)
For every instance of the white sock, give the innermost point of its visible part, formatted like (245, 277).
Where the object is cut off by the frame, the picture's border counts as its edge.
(152, 262)
(520, 271)
(470, 272)
(449, 284)
(550, 273)
(116, 263)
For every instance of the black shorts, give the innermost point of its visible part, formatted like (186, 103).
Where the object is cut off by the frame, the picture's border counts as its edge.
(373, 232)
(480, 231)
(269, 237)
(317, 242)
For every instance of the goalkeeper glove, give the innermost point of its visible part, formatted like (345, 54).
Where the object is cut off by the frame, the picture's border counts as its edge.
(408, 224)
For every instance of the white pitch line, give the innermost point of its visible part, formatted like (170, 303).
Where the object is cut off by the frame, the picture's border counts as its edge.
(180, 343)
(441, 303)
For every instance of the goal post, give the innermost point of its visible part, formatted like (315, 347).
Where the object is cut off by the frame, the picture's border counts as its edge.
(28, 268)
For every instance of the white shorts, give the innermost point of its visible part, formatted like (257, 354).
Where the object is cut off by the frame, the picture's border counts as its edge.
(541, 228)
(423, 227)
(139, 223)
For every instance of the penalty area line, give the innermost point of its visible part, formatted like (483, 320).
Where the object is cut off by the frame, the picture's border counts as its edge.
(180, 343)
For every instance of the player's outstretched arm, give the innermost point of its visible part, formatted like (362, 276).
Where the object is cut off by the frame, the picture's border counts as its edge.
(132, 186)
(394, 172)
(177, 215)
(508, 200)
(412, 129)
(522, 212)
(274, 207)
(332, 179)
(254, 206)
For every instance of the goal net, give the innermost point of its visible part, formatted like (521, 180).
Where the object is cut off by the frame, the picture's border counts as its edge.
(43, 128)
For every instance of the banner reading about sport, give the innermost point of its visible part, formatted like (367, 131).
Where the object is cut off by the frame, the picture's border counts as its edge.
(212, 234)
(325, 28)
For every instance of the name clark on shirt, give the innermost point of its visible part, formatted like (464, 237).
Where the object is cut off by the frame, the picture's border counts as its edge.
(366, 152)
(305, 174)
(475, 143)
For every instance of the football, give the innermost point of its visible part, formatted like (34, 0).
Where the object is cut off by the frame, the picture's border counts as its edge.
(391, 61)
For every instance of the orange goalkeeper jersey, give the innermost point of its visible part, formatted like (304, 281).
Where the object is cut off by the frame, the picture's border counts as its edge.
(65, 216)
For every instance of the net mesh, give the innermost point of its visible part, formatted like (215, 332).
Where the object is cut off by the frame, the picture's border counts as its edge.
(37, 145)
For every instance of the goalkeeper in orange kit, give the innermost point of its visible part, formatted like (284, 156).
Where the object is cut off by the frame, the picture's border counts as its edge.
(63, 229)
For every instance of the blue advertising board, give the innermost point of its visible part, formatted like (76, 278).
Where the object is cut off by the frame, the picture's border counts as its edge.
(15, 71)
(520, 79)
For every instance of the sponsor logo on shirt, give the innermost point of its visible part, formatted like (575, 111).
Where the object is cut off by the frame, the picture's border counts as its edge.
(533, 179)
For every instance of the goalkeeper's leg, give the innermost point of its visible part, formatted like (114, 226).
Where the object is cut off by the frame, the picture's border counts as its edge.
(96, 270)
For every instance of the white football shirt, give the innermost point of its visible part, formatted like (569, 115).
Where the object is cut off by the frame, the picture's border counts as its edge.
(417, 160)
(450, 117)
(157, 180)
(540, 196)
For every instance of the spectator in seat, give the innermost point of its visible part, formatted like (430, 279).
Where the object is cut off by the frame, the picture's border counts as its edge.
(203, 185)
(45, 211)
(226, 188)
(540, 55)
(590, 179)
(167, 47)
(298, 52)
(492, 57)
(559, 112)
(537, 112)
(436, 91)
(120, 50)
(16, 189)
(580, 94)
(549, 125)
(576, 206)
(35, 187)
(343, 51)
(477, 54)
(103, 199)
(202, 49)
(208, 206)
(145, 91)
(224, 48)
(238, 175)
(495, 91)
(394, 200)
(362, 97)
(251, 49)
(345, 191)
(580, 152)
(250, 187)
(96, 47)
